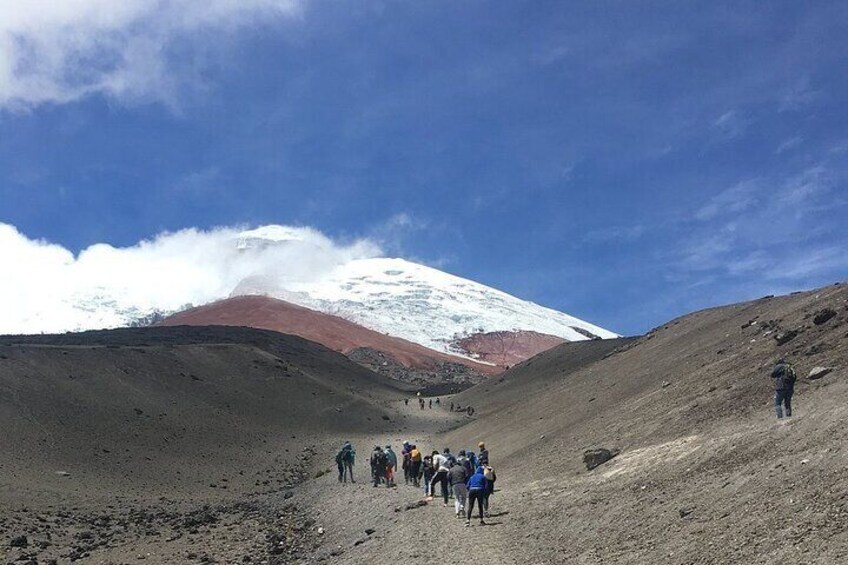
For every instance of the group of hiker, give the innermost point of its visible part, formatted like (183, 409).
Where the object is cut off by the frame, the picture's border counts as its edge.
(438, 402)
(467, 477)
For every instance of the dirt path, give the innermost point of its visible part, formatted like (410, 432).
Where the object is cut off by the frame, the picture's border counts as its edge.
(402, 528)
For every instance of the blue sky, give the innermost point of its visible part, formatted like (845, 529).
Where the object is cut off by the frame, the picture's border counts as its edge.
(623, 162)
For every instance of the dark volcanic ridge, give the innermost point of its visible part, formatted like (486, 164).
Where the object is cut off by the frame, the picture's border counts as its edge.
(391, 356)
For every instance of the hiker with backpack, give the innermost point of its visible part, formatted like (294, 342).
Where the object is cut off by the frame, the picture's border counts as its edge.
(415, 465)
(405, 461)
(428, 472)
(457, 476)
(784, 387)
(472, 458)
(345, 460)
(490, 477)
(462, 459)
(391, 465)
(476, 485)
(379, 461)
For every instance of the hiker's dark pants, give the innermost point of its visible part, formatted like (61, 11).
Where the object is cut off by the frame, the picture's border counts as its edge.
(379, 474)
(442, 478)
(415, 472)
(485, 501)
(783, 398)
(348, 470)
(475, 495)
(341, 472)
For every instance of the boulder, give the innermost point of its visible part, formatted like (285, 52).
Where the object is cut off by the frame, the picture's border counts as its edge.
(19, 541)
(595, 457)
(785, 337)
(818, 372)
(823, 316)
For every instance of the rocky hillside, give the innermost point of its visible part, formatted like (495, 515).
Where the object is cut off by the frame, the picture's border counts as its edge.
(705, 473)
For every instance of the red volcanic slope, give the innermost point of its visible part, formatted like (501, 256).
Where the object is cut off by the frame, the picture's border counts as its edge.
(330, 331)
(507, 348)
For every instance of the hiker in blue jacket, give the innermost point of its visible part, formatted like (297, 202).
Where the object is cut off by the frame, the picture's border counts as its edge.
(477, 486)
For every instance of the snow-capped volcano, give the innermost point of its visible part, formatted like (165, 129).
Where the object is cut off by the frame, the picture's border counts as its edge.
(427, 306)
(103, 286)
(418, 303)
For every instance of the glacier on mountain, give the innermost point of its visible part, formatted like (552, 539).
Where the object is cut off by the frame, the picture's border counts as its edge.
(110, 287)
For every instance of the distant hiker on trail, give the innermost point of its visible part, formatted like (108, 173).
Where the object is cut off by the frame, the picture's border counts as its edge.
(784, 387)
(438, 402)
(415, 465)
(441, 464)
(391, 466)
(345, 460)
(431, 404)
(483, 458)
(477, 486)
(490, 476)
(421, 402)
(406, 402)
(451, 408)
(379, 461)
(428, 471)
(457, 475)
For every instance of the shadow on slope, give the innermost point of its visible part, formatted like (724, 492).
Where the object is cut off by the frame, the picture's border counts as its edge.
(201, 411)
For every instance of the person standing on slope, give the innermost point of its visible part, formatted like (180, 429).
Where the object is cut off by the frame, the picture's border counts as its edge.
(415, 465)
(784, 387)
(491, 477)
(405, 461)
(391, 465)
(472, 458)
(462, 459)
(457, 475)
(477, 486)
(428, 472)
(345, 460)
(378, 465)
(483, 458)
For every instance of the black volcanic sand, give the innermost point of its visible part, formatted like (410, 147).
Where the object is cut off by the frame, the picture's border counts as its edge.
(705, 474)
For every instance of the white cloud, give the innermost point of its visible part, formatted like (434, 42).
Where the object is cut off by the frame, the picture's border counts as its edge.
(731, 124)
(56, 52)
(770, 228)
(789, 144)
(733, 200)
(44, 287)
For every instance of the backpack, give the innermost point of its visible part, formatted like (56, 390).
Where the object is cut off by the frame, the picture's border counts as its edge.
(789, 373)
(339, 458)
(489, 473)
(382, 459)
(415, 455)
